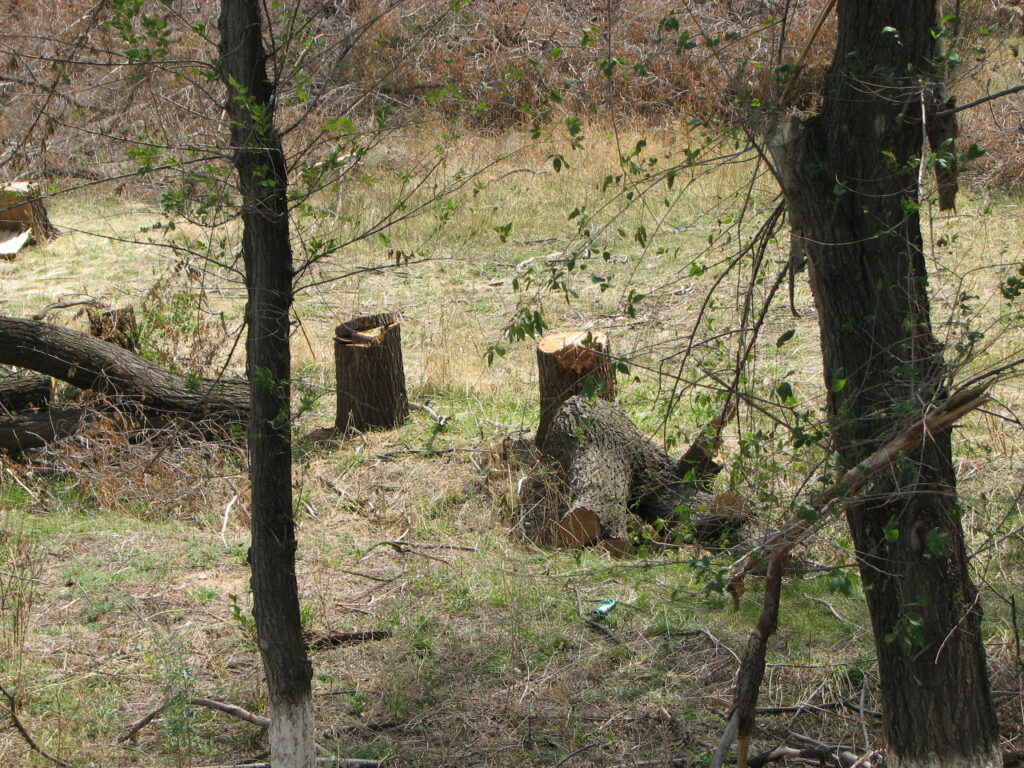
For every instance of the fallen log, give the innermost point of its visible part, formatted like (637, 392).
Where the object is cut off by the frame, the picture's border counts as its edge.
(106, 368)
(24, 389)
(616, 473)
(35, 429)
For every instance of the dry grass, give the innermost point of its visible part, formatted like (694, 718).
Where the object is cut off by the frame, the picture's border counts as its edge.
(130, 556)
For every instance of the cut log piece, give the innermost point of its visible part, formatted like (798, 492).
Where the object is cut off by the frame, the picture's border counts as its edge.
(618, 476)
(370, 373)
(24, 389)
(614, 470)
(88, 363)
(570, 364)
(118, 326)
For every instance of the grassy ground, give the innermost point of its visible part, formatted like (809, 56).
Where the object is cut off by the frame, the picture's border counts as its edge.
(123, 584)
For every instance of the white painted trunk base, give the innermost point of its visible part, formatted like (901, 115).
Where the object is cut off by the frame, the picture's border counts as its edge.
(991, 760)
(291, 734)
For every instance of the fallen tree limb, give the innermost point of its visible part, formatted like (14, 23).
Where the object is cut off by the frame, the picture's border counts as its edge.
(25, 389)
(35, 429)
(90, 363)
(778, 546)
(12, 707)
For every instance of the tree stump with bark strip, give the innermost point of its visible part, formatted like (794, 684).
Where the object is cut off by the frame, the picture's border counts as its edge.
(370, 373)
(568, 364)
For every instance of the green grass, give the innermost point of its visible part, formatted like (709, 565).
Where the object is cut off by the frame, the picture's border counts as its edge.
(490, 660)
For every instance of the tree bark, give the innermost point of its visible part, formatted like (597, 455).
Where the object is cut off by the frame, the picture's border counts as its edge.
(266, 250)
(850, 179)
(36, 429)
(569, 364)
(616, 472)
(25, 389)
(370, 374)
(89, 363)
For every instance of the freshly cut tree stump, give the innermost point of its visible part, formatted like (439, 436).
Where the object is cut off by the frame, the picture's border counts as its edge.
(571, 363)
(24, 389)
(370, 373)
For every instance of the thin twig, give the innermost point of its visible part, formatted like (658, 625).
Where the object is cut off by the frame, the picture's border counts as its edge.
(584, 748)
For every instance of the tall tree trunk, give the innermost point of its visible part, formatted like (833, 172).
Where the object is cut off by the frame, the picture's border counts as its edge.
(263, 181)
(850, 176)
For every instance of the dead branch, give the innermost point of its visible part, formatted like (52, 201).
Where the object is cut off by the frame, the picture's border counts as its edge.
(90, 363)
(12, 711)
(318, 640)
(442, 421)
(42, 313)
(231, 709)
(228, 709)
(779, 545)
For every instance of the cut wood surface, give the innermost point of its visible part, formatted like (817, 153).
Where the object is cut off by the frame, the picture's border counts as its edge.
(90, 363)
(370, 373)
(569, 363)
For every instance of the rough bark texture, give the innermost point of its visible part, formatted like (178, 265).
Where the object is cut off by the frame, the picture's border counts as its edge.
(568, 364)
(35, 429)
(850, 178)
(24, 389)
(614, 472)
(266, 251)
(90, 363)
(370, 374)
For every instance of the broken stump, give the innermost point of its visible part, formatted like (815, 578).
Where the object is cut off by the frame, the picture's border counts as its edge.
(370, 373)
(571, 363)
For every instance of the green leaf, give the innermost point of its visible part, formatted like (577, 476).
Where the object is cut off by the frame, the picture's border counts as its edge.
(785, 337)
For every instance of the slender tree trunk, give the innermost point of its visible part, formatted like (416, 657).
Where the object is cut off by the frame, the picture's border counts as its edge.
(262, 177)
(850, 176)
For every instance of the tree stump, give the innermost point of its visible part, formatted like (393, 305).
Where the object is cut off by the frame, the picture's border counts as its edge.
(571, 363)
(22, 208)
(370, 373)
